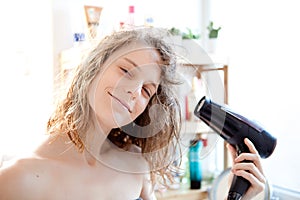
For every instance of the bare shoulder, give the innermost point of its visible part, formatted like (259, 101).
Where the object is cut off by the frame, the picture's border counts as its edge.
(147, 192)
(19, 177)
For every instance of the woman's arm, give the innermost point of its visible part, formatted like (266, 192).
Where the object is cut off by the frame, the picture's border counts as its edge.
(252, 171)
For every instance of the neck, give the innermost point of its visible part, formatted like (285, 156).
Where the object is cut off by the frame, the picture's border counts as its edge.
(60, 146)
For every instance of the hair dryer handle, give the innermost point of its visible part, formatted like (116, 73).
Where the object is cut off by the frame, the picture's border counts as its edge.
(238, 188)
(239, 185)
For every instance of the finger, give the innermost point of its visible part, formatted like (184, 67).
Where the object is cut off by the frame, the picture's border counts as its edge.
(256, 156)
(257, 185)
(232, 151)
(248, 168)
(248, 157)
(251, 146)
(251, 177)
(252, 156)
(254, 166)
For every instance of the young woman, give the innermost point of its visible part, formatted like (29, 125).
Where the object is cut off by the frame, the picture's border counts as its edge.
(116, 130)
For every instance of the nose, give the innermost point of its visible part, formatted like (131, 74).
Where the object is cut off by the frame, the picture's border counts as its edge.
(135, 92)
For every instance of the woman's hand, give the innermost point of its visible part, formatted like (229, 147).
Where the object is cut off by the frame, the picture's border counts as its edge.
(252, 171)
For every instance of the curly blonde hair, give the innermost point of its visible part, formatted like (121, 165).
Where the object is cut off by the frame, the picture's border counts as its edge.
(72, 115)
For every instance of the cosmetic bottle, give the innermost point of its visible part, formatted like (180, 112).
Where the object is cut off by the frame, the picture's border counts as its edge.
(78, 39)
(130, 22)
(195, 164)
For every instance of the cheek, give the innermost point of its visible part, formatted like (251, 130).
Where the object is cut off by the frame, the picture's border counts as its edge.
(98, 97)
(101, 96)
(91, 94)
(140, 107)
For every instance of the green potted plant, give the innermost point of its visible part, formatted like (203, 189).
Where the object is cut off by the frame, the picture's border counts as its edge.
(213, 33)
(174, 31)
(190, 35)
(191, 44)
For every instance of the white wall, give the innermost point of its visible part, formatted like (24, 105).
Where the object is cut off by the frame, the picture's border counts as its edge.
(69, 17)
(26, 73)
(262, 40)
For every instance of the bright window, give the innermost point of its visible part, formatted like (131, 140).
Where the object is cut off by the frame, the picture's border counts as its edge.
(262, 40)
(26, 74)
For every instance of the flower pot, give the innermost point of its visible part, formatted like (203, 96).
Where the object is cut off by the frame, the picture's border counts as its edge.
(192, 50)
(211, 45)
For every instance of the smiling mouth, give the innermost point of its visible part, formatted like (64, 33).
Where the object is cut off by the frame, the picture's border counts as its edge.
(121, 102)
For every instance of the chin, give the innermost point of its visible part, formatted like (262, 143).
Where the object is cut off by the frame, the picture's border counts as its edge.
(121, 120)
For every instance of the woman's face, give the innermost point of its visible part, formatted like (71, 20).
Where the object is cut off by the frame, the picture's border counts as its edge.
(121, 92)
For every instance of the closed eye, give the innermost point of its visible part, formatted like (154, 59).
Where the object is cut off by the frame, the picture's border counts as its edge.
(147, 91)
(124, 70)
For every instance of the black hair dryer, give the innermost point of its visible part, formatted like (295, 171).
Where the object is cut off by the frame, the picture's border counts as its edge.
(234, 128)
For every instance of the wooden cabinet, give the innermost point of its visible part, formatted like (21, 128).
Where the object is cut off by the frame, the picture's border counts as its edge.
(196, 127)
(217, 83)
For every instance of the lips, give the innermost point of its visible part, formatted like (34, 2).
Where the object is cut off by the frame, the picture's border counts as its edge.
(121, 102)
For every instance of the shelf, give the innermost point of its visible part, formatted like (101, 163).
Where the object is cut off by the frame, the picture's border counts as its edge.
(183, 194)
(205, 59)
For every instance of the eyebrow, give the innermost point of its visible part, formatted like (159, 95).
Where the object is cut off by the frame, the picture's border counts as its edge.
(131, 62)
(135, 65)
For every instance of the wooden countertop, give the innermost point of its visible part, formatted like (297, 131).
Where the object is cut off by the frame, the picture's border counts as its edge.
(183, 194)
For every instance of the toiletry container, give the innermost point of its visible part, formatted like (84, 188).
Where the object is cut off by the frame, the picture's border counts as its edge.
(195, 164)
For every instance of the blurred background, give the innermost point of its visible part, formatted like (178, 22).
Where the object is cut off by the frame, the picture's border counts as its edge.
(260, 40)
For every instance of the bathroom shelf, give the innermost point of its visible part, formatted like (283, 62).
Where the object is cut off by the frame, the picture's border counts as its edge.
(195, 127)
